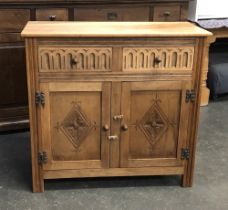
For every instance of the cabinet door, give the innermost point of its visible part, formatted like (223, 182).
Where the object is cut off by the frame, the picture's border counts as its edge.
(154, 127)
(75, 122)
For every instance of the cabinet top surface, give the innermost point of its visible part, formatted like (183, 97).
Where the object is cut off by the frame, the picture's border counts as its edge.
(88, 1)
(112, 29)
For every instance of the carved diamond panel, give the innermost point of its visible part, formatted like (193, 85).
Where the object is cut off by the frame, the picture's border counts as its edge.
(154, 123)
(76, 126)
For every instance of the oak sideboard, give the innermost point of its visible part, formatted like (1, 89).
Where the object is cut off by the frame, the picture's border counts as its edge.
(14, 14)
(113, 99)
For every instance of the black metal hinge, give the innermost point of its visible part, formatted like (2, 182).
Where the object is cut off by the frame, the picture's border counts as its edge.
(185, 154)
(42, 157)
(190, 96)
(39, 98)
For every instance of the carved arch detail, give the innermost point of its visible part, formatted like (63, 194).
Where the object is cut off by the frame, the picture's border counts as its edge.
(85, 59)
(170, 58)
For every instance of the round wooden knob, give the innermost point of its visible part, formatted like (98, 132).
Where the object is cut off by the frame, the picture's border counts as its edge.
(105, 127)
(124, 127)
(52, 17)
(112, 16)
(167, 14)
(157, 60)
(74, 61)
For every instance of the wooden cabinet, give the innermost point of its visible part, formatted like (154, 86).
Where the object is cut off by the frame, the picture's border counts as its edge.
(14, 87)
(14, 14)
(121, 100)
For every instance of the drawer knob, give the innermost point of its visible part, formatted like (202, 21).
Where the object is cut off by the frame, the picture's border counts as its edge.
(112, 138)
(124, 127)
(118, 117)
(73, 61)
(52, 17)
(112, 16)
(157, 60)
(105, 127)
(167, 14)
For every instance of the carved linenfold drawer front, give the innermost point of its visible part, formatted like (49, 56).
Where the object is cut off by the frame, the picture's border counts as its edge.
(65, 59)
(163, 58)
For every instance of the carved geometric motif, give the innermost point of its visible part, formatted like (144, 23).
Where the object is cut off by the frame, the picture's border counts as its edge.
(154, 123)
(170, 58)
(74, 59)
(76, 126)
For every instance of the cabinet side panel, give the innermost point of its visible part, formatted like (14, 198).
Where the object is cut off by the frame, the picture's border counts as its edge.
(194, 119)
(38, 185)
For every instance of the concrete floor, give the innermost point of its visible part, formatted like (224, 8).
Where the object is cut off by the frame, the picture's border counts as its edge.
(210, 190)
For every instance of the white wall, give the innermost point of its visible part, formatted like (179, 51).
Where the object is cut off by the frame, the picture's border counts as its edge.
(203, 9)
(192, 10)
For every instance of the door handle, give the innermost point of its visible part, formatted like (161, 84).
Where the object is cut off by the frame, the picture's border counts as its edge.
(118, 117)
(52, 17)
(167, 13)
(115, 137)
(112, 16)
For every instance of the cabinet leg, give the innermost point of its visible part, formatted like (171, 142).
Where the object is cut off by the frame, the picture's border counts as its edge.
(187, 177)
(38, 185)
(186, 181)
(205, 93)
(37, 178)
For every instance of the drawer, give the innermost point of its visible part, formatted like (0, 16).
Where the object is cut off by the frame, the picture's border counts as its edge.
(52, 14)
(59, 59)
(166, 13)
(10, 37)
(184, 12)
(13, 20)
(112, 14)
(159, 58)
